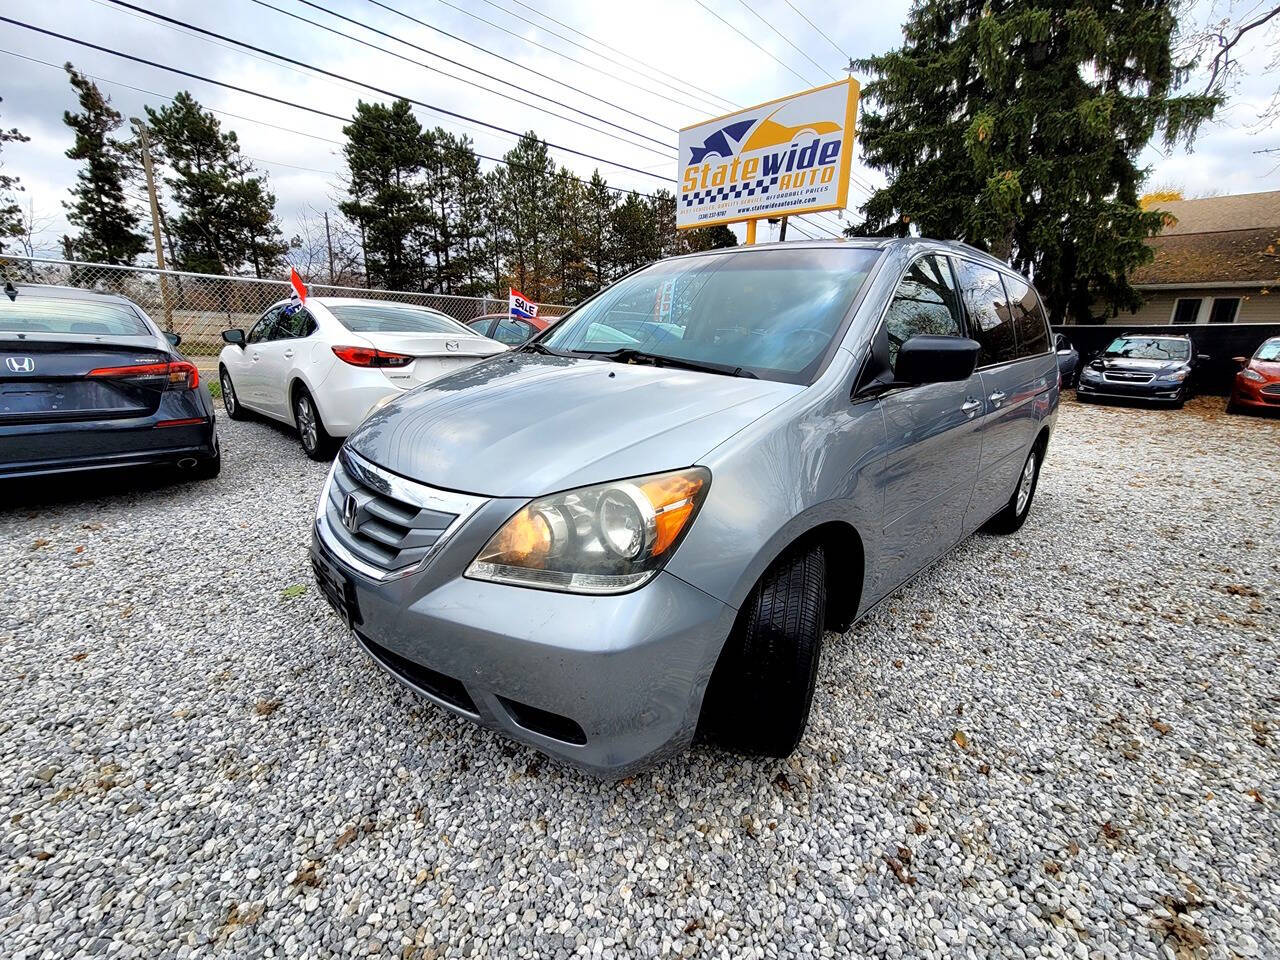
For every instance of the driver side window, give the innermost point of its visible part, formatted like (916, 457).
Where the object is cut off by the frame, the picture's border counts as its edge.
(262, 330)
(926, 301)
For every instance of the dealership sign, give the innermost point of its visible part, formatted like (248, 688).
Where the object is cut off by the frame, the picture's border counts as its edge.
(784, 157)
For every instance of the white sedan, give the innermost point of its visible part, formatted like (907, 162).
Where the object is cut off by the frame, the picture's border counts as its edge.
(323, 367)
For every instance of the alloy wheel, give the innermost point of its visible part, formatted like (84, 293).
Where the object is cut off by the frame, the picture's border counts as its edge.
(1025, 484)
(228, 395)
(306, 417)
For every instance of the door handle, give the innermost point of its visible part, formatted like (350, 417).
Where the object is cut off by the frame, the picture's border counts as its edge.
(288, 354)
(255, 356)
(997, 398)
(970, 407)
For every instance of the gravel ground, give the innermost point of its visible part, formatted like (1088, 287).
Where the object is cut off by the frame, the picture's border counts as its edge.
(1063, 743)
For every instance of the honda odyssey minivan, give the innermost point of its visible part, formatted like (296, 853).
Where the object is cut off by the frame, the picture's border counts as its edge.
(639, 524)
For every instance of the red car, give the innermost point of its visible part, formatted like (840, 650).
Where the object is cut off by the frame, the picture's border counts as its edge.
(1257, 385)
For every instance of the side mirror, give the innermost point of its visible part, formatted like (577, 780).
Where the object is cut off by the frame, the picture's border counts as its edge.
(234, 337)
(173, 338)
(1240, 360)
(1203, 357)
(926, 358)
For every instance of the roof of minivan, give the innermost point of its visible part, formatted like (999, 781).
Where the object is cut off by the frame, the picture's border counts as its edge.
(871, 243)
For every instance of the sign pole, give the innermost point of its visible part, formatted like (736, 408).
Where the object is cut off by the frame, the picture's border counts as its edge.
(751, 232)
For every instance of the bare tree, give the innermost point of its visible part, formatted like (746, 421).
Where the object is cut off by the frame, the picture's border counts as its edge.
(33, 225)
(325, 249)
(1214, 48)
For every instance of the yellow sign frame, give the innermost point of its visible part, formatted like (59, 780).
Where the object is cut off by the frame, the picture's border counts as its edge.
(846, 157)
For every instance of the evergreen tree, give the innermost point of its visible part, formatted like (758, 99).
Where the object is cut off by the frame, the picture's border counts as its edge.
(385, 160)
(597, 232)
(471, 233)
(11, 220)
(1017, 127)
(108, 225)
(528, 208)
(226, 217)
(636, 240)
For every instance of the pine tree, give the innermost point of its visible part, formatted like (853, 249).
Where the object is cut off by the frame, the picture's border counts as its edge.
(108, 226)
(1017, 127)
(635, 234)
(597, 232)
(385, 160)
(226, 217)
(528, 206)
(11, 220)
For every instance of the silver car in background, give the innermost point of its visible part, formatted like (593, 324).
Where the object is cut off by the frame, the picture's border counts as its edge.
(638, 525)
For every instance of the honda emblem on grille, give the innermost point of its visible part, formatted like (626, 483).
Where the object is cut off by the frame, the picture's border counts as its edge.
(20, 364)
(452, 345)
(351, 513)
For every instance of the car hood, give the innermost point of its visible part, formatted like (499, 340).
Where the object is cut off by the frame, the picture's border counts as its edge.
(1136, 365)
(528, 424)
(1268, 368)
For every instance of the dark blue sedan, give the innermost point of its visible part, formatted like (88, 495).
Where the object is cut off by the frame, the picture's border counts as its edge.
(88, 381)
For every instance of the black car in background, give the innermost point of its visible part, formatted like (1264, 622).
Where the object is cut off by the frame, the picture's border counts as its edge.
(1068, 359)
(87, 381)
(1142, 367)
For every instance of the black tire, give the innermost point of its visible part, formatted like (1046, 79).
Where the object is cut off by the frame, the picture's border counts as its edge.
(1015, 512)
(1180, 400)
(1232, 406)
(760, 693)
(231, 399)
(315, 440)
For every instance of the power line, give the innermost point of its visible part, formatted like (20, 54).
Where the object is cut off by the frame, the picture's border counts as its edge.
(490, 53)
(837, 49)
(785, 38)
(264, 96)
(767, 53)
(615, 50)
(432, 53)
(588, 50)
(153, 93)
(565, 56)
(386, 93)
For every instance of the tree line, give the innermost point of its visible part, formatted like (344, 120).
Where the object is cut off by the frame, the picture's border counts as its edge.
(415, 210)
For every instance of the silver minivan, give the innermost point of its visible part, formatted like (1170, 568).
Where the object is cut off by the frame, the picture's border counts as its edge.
(639, 524)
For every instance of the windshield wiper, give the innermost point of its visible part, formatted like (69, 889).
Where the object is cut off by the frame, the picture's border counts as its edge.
(632, 355)
(539, 347)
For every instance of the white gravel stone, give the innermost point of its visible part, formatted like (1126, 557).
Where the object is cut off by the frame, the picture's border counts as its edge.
(194, 761)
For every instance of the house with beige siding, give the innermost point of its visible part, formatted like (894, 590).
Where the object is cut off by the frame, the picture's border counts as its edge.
(1216, 261)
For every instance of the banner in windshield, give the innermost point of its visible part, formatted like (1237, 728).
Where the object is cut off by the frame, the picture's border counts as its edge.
(786, 156)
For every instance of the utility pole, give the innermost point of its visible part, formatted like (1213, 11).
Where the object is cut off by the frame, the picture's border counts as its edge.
(143, 140)
(328, 239)
(782, 230)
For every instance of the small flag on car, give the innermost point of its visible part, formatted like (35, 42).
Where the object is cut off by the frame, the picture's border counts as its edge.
(519, 305)
(299, 288)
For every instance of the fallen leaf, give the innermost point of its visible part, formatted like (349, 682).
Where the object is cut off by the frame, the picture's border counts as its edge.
(961, 739)
(40, 542)
(1161, 726)
(78, 656)
(897, 664)
(904, 854)
(1052, 868)
(264, 708)
(985, 769)
(347, 836)
(296, 590)
(1073, 849)
(920, 827)
(1255, 794)
(899, 870)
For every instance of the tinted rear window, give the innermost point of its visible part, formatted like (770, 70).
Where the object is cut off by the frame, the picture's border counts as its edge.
(1028, 317)
(990, 319)
(394, 318)
(29, 314)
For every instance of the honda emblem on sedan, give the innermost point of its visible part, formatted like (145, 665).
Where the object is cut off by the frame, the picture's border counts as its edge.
(452, 345)
(351, 513)
(20, 364)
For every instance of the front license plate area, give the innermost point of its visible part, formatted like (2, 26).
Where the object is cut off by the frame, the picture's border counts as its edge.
(337, 589)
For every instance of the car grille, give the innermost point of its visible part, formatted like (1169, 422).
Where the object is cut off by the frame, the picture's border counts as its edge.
(1273, 390)
(1120, 376)
(386, 522)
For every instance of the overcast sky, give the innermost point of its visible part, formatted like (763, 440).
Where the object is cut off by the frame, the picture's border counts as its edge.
(689, 60)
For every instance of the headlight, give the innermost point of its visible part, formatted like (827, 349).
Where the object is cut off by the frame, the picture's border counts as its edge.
(1089, 373)
(607, 538)
(1177, 376)
(1252, 375)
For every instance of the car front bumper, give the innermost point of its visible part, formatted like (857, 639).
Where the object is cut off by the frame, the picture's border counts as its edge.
(1155, 390)
(1259, 396)
(607, 683)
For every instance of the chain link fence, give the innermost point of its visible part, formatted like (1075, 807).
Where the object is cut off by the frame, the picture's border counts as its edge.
(199, 306)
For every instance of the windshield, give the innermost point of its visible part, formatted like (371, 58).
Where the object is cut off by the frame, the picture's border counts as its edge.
(1149, 348)
(1269, 352)
(59, 315)
(394, 318)
(770, 313)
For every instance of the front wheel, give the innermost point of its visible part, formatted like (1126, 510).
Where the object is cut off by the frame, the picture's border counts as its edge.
(1015, 512)
(316, 442)
(760, 693)
(230, 401)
